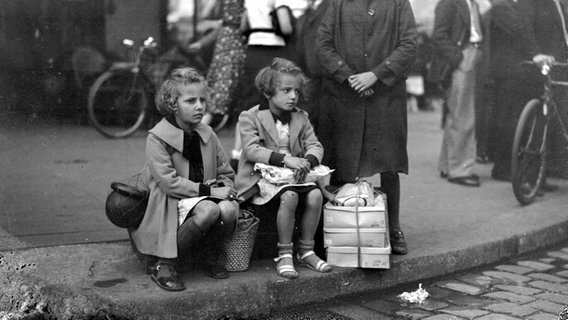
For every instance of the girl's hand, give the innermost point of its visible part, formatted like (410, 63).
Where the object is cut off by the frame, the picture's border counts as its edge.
(224, 193)
(297, 164)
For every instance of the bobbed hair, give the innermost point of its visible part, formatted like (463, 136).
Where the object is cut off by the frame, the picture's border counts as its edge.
(167, 95)
(268, 77)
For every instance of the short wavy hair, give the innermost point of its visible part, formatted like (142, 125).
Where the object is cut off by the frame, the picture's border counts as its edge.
(268, 77)
(167, 95)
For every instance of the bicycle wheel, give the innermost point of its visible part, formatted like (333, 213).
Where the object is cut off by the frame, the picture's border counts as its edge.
(117, 103)
(528, 161)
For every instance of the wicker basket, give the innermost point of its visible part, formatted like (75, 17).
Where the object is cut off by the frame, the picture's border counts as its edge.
(236, 251)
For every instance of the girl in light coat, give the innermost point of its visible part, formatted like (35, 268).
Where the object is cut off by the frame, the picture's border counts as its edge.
(185, 161)
(277, 133)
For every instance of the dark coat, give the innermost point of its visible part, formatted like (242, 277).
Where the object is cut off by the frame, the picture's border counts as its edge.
(366, 136)
(167, 175)
(451, 32)
(511, 40)
(547, 27)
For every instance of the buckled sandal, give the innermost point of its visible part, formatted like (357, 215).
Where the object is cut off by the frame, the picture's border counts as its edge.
(314, 263)
(285, 266)
(165, 276)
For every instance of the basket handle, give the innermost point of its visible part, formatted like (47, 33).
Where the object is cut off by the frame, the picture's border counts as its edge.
(128, 190)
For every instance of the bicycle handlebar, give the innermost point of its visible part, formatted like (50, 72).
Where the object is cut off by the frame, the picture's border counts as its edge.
(545, 68)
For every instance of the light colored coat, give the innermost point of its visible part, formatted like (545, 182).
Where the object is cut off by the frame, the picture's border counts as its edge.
(260, 138)
(167, 176)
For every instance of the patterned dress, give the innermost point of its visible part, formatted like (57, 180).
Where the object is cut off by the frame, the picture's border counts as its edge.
(228, 57)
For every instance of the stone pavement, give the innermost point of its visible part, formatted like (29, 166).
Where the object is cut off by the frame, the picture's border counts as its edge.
(71, 262)
(531, 287)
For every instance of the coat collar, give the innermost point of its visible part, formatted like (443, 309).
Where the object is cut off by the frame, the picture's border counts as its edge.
(267, 120)
(174, 136)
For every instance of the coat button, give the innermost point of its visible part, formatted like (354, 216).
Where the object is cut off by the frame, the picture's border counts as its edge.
(340, 62)
(371, 12)
(388, 63)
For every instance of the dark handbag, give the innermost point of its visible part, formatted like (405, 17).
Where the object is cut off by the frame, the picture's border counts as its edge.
(125, 205)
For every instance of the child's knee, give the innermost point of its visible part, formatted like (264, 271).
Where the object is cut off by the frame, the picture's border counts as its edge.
(289, 199)
(314, 197)
(228, 211)
(206, 213)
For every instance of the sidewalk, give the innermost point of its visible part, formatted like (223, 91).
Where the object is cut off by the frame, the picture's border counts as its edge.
(448, 227)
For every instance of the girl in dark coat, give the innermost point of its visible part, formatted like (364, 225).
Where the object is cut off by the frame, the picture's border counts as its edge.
(366, 48)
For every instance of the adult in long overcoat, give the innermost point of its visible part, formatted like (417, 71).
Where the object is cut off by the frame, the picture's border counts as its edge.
(168, 181)
(366, 135)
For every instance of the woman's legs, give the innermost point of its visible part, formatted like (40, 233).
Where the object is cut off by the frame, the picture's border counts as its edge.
(390, 184)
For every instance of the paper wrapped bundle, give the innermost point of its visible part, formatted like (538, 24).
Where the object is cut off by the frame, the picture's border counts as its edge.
(281, 175)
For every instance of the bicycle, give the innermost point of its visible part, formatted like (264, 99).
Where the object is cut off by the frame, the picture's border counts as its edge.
(119, 100)
(531, 139)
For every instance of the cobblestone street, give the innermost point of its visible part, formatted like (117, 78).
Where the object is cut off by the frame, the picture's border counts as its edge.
(531, 287)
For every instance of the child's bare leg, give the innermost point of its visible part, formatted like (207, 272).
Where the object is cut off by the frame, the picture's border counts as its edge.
(285, 225)
(228, 215)
(312, 213)
(310, 221)
(205, 213)
(286, 216)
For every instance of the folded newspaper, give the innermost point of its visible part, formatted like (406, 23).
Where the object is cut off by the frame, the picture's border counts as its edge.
(281, 175)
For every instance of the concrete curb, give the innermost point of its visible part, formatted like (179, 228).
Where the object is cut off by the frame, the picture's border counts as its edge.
(253, 293)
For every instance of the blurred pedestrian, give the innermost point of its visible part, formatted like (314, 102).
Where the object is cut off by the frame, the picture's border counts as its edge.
(307, 27)
(521, 30)
(366, 51)
(185, 161)
(264, 44)
(457, 39)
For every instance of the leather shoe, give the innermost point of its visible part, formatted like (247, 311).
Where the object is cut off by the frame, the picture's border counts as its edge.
(214, 270)
(547, 187)
(165, 276)
(501, 176)
(468, 181)
(443, 174)
(482, 159)
(398, 243)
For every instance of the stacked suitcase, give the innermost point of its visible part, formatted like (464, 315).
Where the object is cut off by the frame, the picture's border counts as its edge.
(357, 236)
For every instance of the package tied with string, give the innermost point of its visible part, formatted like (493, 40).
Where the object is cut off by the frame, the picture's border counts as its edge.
(355, 226)
(126, 203)
(236, 250)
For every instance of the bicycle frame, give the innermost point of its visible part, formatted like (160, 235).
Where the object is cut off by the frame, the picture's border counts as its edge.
(550, 108)
(530, 143)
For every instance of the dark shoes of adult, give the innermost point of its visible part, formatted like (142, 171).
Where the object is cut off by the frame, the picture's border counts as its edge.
(214, 270)
(398, 243)
(483, 159)
(495, 175)
(468, 181)
(548, 187)
(165, 276)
